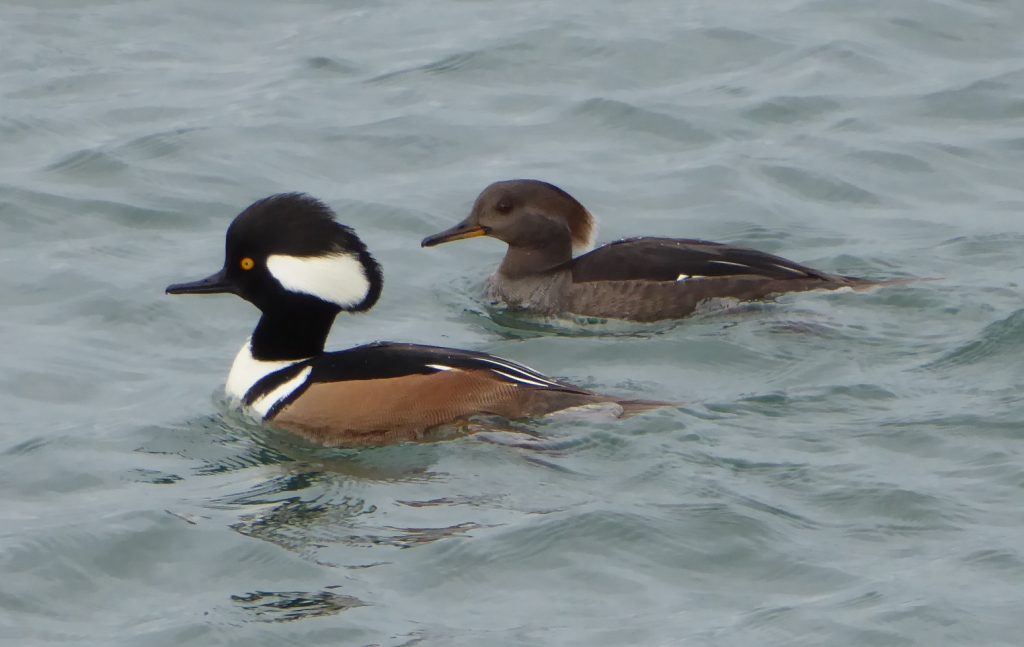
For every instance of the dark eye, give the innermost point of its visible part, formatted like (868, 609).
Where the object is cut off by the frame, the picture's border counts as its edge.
(504, 206)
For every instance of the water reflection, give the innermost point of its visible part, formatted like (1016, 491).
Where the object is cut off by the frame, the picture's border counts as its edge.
(285, 606)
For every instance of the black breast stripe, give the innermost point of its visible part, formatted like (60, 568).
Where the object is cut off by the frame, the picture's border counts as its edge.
(271, 381)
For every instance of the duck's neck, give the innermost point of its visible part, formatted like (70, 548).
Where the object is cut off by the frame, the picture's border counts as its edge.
(539, 259)
(292, 335)
(280, 340)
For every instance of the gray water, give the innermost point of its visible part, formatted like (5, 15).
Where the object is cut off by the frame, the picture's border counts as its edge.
(845, 469)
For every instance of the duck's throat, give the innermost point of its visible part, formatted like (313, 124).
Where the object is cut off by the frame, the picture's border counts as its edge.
(291, 335)
(522, 262)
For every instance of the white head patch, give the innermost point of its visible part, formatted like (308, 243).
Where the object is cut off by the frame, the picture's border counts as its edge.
(338, 278)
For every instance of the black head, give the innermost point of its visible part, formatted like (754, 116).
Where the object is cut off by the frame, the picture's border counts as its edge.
(287, 251)
(523, 213)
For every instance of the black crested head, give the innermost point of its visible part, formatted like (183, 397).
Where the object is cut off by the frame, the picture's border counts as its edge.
(288, 256)
(295, 239)
(291, 223)
(287, 252)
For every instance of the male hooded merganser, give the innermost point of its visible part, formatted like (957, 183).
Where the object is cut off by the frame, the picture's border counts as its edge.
(288, 256)
(641, 279)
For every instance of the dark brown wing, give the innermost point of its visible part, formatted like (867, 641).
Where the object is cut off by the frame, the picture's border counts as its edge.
(673, 259)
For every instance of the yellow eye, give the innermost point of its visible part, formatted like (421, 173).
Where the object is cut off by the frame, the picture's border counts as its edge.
(247, 263)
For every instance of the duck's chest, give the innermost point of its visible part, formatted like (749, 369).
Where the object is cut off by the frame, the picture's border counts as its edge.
(545, 293)
(247, 371)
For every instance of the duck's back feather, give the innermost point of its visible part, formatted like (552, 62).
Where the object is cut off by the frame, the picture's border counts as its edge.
(674, 259)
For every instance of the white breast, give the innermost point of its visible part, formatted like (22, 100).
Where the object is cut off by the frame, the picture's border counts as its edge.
(247, 371)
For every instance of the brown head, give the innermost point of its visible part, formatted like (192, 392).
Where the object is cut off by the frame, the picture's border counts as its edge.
(531, 216)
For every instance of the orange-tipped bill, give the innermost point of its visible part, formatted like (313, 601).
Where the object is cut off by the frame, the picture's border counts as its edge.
(458, 232)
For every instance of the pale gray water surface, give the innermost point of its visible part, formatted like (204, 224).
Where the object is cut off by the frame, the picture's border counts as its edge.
(846, 469)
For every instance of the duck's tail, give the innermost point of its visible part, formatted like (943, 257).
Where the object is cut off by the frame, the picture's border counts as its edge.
(861, 285)
(634, 407)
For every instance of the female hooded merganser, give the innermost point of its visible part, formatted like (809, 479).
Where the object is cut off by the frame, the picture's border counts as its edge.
(641, 279)
(288, 256)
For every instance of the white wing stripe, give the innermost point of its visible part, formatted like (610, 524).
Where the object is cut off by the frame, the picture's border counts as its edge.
(731, 263)
(790, 269)
(521, 380)
(526, 372)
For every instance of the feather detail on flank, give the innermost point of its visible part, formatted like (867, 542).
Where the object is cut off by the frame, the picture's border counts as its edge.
(337, 278)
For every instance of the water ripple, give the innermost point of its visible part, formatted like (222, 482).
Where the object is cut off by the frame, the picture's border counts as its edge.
(791, 109)
(816, 186)
(619, 114)
(995, 342)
